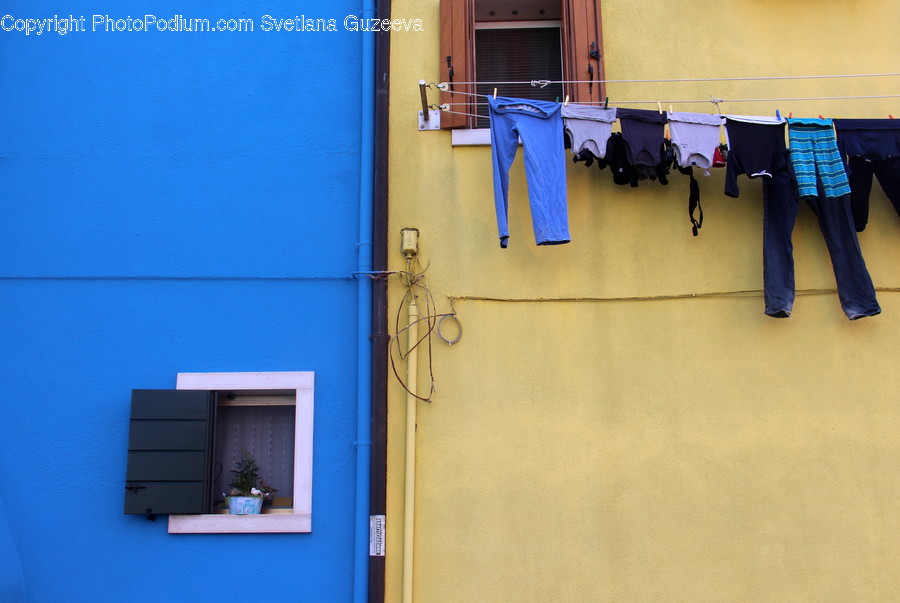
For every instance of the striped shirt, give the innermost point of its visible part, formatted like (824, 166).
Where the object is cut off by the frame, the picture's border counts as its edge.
(815, 157)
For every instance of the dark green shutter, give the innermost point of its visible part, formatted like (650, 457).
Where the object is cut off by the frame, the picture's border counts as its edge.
(170, 452)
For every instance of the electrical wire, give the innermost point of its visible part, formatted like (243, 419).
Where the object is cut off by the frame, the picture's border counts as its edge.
(417, 288)
(651, 298)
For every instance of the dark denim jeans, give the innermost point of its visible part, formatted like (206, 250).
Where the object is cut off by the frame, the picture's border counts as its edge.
(861, 170)
(780, 208)
(870, 147)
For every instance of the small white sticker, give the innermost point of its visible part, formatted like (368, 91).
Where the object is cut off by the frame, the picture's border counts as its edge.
(376, 535)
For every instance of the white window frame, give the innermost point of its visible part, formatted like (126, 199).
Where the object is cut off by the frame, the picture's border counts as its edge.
(299, 519)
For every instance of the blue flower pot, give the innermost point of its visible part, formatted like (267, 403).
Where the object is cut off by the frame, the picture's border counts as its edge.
(244, 505)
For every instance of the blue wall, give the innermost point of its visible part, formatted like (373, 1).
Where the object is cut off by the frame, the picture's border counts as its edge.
(172, 202)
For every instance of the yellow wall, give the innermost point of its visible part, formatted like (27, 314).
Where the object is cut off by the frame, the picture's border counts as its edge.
(626, 449)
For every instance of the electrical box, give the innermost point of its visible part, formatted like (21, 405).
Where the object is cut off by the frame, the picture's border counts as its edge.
(409, 242)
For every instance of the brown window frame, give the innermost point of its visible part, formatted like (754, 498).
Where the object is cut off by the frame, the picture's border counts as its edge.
(582, 41)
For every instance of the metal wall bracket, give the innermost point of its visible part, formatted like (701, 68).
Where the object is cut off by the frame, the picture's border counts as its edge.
(433, 122)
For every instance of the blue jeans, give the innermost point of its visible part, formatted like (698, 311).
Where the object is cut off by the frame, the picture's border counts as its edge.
(871, 147)
(780, 208)
(539, 125)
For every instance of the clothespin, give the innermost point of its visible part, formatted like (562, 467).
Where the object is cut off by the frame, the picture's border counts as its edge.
(890, 116)
(566, 102)
(790, 115)
(606, 104)
(820, 116)
(659, 106)
(723, 137)
(778, 114)
(671, 110)
(495, 93)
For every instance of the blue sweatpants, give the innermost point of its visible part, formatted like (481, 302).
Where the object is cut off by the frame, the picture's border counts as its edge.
(539, 125)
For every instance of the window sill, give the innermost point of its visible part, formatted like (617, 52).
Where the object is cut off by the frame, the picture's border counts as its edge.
(473, 137)
(222, 523)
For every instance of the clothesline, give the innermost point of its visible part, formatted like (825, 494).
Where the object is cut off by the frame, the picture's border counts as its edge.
(544, 83)
(713, 100)
(445, 87)
(716, 101)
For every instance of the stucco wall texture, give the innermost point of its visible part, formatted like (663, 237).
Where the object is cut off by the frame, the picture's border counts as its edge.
(620, 421)
(173, 201)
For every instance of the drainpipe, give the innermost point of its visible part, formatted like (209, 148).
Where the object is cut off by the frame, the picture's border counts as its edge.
(409, 491)
(380, 336)
(364, 314)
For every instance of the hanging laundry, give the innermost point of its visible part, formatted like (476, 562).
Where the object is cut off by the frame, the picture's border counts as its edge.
(584, 155)
(588, 128)
(693, 200)
(695, 139)
(644, 134)
(815, 158)
(588, 158)
(538, 124)
(623, 171)
(870, 147)
(720, 157)
(617, 160)
(757, 148)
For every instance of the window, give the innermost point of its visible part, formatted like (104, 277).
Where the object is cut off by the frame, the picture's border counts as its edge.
(517, 51)
(496, 40)
(183, 442)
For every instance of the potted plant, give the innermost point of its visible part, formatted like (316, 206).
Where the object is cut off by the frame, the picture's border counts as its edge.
(248, 489)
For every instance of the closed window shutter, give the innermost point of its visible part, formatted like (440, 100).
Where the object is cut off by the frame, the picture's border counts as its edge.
(583, 51)
(517, 55)
(169, 452)
(457, 59)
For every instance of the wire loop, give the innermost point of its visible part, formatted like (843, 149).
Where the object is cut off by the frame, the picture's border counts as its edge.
(458, 328)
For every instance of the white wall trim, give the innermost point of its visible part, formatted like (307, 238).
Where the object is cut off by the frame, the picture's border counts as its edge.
(470, 137)
(300, 519)
(223, 523)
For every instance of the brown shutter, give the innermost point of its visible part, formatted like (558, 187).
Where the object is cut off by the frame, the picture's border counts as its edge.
(458, 56)
(583, 50)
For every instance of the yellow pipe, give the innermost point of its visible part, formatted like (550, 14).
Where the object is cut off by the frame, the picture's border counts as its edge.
(409, 498)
